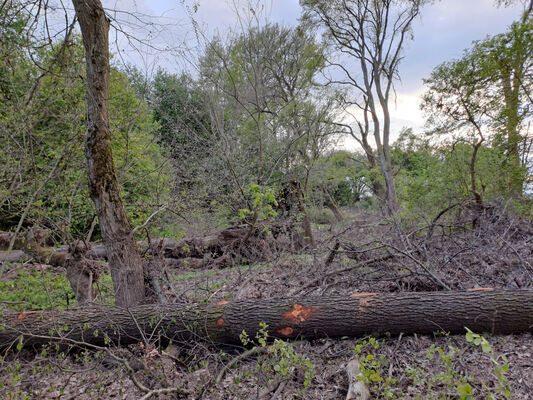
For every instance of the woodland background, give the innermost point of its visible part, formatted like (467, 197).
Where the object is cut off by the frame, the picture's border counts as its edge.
(235, 188)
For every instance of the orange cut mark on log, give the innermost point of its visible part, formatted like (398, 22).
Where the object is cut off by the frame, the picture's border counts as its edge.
(222, 303)
(285, 331)
(479, 288)
(220, 321)
(364, 299)
(362, 294)
(298, 314)
(24, 314)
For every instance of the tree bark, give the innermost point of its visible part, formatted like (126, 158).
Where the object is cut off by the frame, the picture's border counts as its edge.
(226, 247)
(291, 206)
(332, 205)
(125, 261)
(492, 311)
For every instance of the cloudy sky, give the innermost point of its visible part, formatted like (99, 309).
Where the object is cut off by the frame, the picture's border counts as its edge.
(442, 31)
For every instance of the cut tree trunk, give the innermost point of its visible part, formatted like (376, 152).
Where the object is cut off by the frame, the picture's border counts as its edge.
(125, 261)
(492, 311)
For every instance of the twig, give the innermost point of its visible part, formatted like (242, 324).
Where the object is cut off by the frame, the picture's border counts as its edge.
(248, 353)
(430, 274)
(149, 392)
(163, 391)
(138, 228)
(525, 265)
(440, 214)
(340, 271)
(332, 254)
(158, 291)
(240, 357)
(278, 391)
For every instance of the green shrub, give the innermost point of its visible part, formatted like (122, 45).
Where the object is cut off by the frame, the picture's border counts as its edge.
(34, 289)
(321, 215)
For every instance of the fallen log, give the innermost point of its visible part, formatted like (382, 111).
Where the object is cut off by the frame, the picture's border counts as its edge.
(492, 311)
(225, 247)
(12, 256)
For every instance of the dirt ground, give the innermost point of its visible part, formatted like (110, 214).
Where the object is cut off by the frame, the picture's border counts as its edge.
(365, 254)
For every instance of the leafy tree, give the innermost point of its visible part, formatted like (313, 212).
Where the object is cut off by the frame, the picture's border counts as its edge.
(38, 89)
(340, 174)
(180, 108)
(143, 167)
(485, 98)
(433, 176)
(267, 117)
(265, 79)
(42, 114)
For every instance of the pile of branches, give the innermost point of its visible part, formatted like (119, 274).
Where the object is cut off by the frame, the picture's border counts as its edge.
(465, 246)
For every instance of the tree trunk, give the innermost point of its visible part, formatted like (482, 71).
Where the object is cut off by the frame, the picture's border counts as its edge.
(291, 206)
(125, 261)
(492, 311)
(511, 115)
(332, 205)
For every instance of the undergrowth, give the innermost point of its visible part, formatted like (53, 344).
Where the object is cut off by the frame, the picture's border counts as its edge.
(434, 370)
(33, 289)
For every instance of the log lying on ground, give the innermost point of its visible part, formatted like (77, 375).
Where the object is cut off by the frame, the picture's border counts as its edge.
(224, 247)
(13, 256)
(493, 311)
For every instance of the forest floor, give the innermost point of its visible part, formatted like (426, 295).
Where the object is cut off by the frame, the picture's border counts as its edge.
(362, 254)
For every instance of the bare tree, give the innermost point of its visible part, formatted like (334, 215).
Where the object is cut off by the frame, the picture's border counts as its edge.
(268, 91)
(372, 33)
(125, 261)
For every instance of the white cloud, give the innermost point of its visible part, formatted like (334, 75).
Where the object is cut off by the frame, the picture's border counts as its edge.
(404, 112)
(441, 33)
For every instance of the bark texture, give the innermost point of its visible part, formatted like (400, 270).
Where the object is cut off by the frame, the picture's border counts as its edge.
(125, 261)
(225, 247)
(291, 207)
(329, 201)
(492, 311)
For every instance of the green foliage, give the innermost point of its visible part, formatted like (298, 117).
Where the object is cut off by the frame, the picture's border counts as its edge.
(271, 119)
(464, 387)
(434, 176)
(499, 362)
(436, 369)
(343, 175)
(262, 202)
(180, 108)
(42, 117)
(278, 360)
(449, 377)
(372, 369)
(485, 96)
(321, 216)
(34, 289)
(142, 167)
